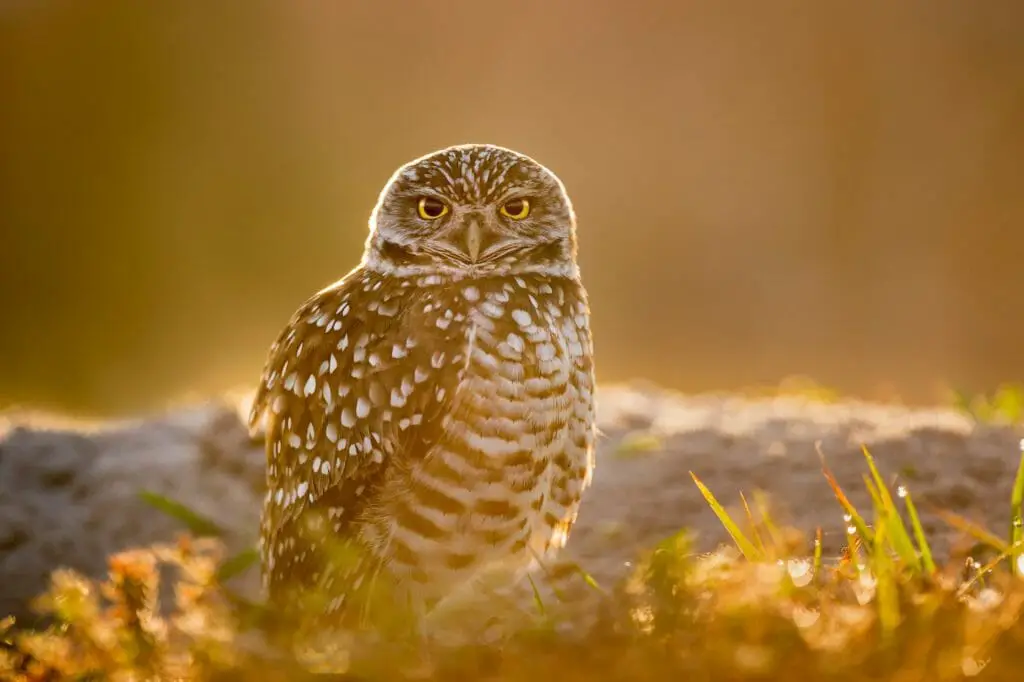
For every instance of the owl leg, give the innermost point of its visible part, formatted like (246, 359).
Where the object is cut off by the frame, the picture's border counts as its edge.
(561, 595)
(469, 615)
(367, 649)
(554, 595)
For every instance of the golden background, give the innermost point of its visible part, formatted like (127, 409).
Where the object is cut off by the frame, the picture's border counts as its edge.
(763, 188)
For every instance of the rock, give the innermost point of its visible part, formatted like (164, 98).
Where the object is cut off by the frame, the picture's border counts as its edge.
(735, 444)
(70, 496)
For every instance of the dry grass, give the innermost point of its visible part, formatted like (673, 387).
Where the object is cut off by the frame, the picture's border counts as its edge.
(772, 607)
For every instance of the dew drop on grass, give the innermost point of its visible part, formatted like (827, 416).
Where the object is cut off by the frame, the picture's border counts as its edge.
(847, 517)
(799, 572)
(989, 598)
(851, 530)
(864, 588)
(972, 666)
(1018, 522)
(901, 491)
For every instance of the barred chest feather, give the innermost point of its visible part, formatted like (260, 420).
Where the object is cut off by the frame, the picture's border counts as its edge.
(444, 425)
(504, 481)
(502, 485)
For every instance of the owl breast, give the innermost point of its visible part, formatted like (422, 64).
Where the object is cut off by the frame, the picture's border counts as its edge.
(502, 486)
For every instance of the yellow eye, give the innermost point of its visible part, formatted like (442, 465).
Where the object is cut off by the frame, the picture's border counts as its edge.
(517, 209)
(431, 209)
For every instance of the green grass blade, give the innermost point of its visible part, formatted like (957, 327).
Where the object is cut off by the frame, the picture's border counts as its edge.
(915, 523)
(897, 532)
(972, 529)
(638, 444)
(1017, 516)
(198, 524)
(761, 502)
(746, 547)
(979, 575)
(961, 400)
(876, 499)
(758, 541)
(237, 564)
(591, 582)
(1008, 402)
(887, 596)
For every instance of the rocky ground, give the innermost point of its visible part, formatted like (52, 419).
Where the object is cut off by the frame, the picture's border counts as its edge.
(69, 495)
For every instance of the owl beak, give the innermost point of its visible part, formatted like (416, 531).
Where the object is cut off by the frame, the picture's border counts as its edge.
(474, 239)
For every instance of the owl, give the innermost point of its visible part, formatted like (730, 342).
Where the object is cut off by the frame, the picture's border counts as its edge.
(429, 418)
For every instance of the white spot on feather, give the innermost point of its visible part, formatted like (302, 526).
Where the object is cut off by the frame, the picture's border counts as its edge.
(522, 318)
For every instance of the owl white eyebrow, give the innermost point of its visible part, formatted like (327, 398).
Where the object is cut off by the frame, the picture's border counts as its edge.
(421, 192)
(515, 193)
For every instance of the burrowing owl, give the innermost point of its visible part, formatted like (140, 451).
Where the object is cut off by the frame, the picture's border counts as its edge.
(434, 409)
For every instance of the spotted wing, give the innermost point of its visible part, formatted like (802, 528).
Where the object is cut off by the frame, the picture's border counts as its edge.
(359, 379)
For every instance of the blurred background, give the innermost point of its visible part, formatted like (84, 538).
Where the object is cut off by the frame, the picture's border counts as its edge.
(764, 189)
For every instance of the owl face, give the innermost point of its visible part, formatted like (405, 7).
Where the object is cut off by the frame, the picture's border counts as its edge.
(472, 210)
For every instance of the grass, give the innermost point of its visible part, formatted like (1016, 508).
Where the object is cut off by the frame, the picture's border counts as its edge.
(1003, 405)
(882, 610)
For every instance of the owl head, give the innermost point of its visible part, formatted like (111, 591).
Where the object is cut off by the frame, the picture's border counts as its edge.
(472, 210)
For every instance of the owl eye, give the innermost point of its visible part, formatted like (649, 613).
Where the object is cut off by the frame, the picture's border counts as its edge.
(517, 209)
(431, 209)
